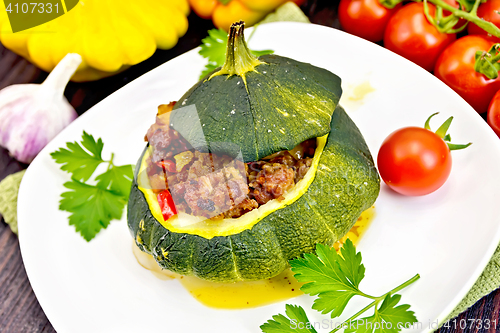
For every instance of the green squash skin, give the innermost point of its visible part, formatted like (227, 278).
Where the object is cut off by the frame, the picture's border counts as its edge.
(287, 102)
(346, 183)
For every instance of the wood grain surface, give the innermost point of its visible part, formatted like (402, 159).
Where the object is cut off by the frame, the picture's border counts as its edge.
(20, 311)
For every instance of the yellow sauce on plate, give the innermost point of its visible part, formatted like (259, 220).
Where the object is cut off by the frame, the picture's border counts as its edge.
(360, 91)
(240, 295)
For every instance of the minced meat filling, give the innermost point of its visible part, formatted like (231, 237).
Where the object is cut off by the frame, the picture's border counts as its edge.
(216, 187)
(210, 186)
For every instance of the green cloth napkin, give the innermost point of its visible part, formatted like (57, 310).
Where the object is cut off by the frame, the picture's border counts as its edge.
(9, 187)
(487, 282)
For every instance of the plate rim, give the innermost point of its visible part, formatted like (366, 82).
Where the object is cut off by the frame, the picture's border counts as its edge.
(464, 290)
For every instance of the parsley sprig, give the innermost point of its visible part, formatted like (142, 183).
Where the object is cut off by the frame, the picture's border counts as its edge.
(334, 278)
(92, 205)
(214, 49)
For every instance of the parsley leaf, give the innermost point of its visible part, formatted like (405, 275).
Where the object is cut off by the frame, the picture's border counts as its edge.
(91, 206)
(350, 263)
(296, 321)
(213, 48)
(258, 53)
(94, 147)
(209, 68)
(117, 180)
(78, 161)
(333, 278)
(388, 319)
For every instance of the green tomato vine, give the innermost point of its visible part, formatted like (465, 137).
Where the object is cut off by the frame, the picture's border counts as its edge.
(486, 62)
(446, 23)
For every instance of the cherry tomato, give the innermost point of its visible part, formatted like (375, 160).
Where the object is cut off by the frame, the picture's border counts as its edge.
(410, 35)
(487, 11)
(365, 18)
(455, 67)
(414, 161)
(494, 113)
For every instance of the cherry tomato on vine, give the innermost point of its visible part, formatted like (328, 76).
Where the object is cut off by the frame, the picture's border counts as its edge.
(455, 4)
(416, 161)
(410, 35)
(493, 117)
(455, 67)
(365, 18)
(488, 11)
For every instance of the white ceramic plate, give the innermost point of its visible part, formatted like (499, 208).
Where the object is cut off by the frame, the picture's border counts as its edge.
(447, 237)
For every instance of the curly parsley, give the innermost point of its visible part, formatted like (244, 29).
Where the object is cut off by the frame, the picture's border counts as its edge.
(334, 278)
(92, 206)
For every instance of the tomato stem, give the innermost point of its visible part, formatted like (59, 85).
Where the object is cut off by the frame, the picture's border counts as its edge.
(469, 16)
(427, 125)
(487, 62)
(390, 3)
(457, 146)
(446, 24)
(441, 132)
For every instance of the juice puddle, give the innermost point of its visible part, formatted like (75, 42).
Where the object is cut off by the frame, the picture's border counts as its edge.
(240, 295)
(359, 92)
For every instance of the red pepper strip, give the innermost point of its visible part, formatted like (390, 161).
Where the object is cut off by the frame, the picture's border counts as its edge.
(167, 204)
(167, 165)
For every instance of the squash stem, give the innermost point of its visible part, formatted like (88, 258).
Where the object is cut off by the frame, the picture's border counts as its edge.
(239, 59)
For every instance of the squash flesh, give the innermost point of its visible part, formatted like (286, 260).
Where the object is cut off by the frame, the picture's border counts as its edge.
(194, 225)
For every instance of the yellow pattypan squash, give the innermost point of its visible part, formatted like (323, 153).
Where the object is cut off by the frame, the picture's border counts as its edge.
(110, 35)
(225, 12)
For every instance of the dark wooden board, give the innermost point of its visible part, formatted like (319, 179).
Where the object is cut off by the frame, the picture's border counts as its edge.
(19, 308)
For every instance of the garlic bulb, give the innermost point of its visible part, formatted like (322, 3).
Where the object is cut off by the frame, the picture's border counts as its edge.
(33, 114)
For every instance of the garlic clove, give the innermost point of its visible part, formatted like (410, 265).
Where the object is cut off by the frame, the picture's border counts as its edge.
(32, 114)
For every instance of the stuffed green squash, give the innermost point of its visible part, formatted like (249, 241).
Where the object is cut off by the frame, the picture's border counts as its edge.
(265, 167)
